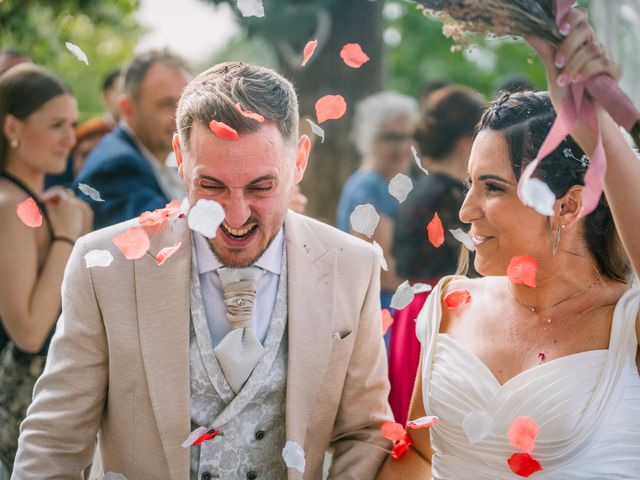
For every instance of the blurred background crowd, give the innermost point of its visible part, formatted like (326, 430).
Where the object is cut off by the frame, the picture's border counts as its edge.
(108, 125)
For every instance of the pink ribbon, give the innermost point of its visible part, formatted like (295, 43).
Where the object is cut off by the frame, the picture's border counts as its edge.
(579, 105)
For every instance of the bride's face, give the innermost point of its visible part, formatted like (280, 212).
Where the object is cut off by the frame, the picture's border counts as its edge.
(501, 225)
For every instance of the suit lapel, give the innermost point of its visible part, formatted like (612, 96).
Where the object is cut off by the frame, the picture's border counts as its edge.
(312, 270)
(162, 295)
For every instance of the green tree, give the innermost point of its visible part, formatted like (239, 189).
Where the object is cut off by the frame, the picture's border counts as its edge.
(107, 32)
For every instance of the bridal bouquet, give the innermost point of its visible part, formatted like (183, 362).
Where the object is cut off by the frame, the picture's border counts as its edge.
(530, 17)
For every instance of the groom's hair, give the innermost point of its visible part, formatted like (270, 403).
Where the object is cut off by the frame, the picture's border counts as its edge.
(217, 93)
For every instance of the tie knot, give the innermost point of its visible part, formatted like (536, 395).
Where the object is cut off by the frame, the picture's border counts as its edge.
(239, 286)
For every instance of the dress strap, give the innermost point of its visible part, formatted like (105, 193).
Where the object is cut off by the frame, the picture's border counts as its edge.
(22, 186)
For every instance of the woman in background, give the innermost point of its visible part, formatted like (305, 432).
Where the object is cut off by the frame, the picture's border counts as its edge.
(37, 115)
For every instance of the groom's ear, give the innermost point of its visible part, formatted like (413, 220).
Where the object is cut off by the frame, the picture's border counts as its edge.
(175, 142)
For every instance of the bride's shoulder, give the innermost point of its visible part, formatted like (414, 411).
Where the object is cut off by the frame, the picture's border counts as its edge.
(473, 285)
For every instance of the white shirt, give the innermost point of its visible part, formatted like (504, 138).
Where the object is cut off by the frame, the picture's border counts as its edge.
(167, 176)
(212, 294)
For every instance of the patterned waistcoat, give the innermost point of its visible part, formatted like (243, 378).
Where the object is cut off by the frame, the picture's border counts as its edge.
(253, 421)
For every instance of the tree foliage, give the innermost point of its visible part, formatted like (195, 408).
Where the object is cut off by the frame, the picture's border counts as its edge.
(107, 32)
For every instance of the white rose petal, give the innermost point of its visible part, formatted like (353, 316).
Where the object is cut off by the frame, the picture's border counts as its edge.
(463, 237)
(537, 194)
(423, 422)
(90, 192)
(77, 52)
(293, 456)
(421, 287)
(476, 426)
(317, 130)
(205, 217)
(193, 436)
(114, 476)
(403, 296)
(400, 186)
(383, 262)
(364, 219)
(416, 158)
(251, 8)
(98, 258)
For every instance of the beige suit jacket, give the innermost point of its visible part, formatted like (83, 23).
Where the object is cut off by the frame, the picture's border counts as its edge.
(118, 365)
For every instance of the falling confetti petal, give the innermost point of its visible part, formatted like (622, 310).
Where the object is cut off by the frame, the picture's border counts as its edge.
(249, 114)
(523, 432)
(77, 52)
(205, 217)
(383, 262)
(205, 437)
(400, 186)
(541, 356)
(364, 219)
(223, 131)
(464, 238)
(166, 252)
(29, 213)
(159, 216)
(476, 426)
(393, 431)
(197, 433)
(401, 447)
(133, 243)
(353, 56)
(309, 48)
(330, 107)
(522, 270)
(416, 158)
(317, 130)
(457, 298)
(423, 422)
(90, 192)
(251, 8)
(98, 258)
(421, 287)
(435, 231)
(293, 456)
(537, 194)
(387, 321)
(523, 464)
(403, 296)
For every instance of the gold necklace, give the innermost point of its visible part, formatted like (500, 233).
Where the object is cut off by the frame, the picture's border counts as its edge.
(536, 309)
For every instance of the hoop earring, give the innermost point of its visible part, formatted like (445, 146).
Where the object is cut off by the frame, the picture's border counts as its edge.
(14, 143)
(556, 241)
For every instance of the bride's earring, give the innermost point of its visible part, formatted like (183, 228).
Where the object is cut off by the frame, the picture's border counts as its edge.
(556, 241)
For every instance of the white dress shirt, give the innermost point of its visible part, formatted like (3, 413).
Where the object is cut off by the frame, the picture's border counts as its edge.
(212, 294)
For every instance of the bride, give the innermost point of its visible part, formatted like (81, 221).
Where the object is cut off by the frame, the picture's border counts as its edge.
(537, 381)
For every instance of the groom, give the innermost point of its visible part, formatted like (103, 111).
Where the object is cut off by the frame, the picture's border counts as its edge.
(267, 334)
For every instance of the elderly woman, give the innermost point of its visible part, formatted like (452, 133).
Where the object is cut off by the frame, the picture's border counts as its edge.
(537, 380)
(382, 131)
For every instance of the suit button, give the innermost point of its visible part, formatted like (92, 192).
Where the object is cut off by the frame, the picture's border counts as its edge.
(260, 434)
(206, 476)
(252, 475)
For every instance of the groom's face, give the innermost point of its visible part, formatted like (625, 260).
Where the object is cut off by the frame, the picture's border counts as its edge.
(252, 179)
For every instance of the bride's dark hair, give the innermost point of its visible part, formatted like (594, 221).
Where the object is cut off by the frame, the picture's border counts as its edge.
(525, 118)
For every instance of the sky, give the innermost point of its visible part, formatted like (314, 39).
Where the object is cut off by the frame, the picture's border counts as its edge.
(192, 28)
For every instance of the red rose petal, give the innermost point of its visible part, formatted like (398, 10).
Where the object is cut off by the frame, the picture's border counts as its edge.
(249, 114)
(457, 298)
(166, 252)
(387, 321)
(393, 431)
(203, 438)
(330, 107)
(29, 213)
(523, 464)
(223, 131)
(309, 48)
(401, 447)
(133, 243)
(353, 56)
(435, 231)
(522, 433)
(523, 270)
(160, 215)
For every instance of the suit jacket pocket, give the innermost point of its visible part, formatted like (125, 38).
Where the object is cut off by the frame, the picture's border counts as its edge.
(342, 344)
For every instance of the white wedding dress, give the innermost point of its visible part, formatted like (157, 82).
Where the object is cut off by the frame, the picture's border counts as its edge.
(587, 405)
